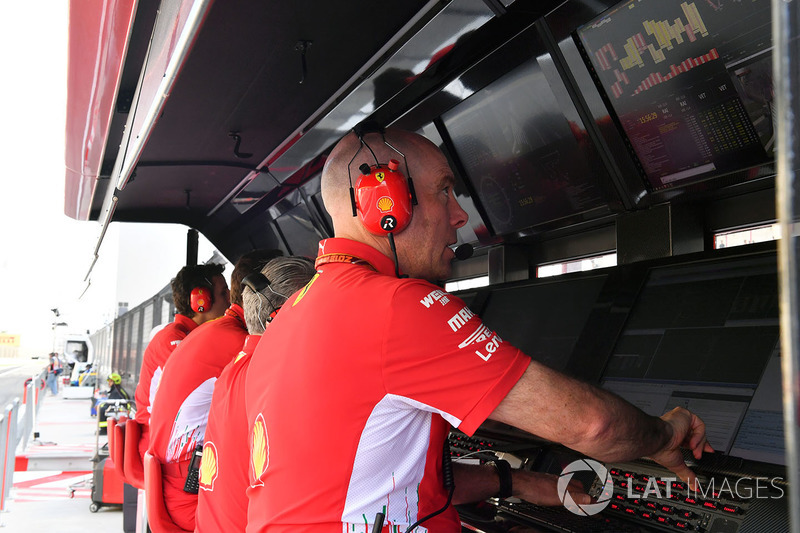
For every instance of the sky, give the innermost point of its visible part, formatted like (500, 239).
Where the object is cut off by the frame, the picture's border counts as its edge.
(45, 255)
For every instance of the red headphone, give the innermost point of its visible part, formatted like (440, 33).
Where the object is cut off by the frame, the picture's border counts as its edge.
(382, 198)
(201, 299)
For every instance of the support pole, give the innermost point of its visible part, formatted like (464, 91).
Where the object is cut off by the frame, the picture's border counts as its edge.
(786, 84)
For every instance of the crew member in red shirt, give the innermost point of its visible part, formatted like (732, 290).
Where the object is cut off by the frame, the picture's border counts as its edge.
(368, 367)
(222, 501)
(180, 409)
(200, 294)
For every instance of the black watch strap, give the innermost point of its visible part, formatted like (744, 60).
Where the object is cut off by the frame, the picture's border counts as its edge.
(504, 473)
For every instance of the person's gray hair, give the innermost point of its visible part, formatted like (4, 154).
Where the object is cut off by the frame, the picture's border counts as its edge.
(286, 275)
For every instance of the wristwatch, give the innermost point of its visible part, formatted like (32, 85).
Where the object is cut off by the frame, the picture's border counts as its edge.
(504, 473)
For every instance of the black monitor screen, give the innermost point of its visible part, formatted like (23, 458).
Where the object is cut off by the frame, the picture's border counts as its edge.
(543, 319)
(470, 298)
(524, 158)
(690, 83)
(705, 336)
(298, 232)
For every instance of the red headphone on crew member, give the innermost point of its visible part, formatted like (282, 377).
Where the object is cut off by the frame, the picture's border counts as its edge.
(382, 197)
(201, 299)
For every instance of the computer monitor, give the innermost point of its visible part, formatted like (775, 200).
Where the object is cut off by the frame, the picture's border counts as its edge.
(690, 84)
(705, 336)
(544, 318)
(525, 159)
(298, 231)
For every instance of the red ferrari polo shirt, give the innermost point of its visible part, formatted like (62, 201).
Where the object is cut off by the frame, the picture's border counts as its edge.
(180, 409)
(154, 359)
(352, 391)
(222, 502)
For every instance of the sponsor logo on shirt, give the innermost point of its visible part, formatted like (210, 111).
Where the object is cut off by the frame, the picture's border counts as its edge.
(259, 451)
(208, 467)
(481, 335)
(435, 296)
(460, 318)
(304, 290)
(175, 343)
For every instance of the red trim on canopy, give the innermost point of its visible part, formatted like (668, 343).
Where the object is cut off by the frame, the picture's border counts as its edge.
(98, 39)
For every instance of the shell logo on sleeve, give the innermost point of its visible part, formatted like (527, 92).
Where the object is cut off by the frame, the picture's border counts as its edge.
(208, 467)
(259, 451)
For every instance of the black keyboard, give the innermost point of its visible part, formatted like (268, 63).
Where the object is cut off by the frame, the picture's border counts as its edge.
(559, 519)
(644, 501)
(670, 505)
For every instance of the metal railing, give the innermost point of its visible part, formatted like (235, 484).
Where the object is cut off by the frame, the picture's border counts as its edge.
(15, 430)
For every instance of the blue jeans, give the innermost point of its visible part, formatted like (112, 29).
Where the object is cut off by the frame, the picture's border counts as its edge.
(52, 382)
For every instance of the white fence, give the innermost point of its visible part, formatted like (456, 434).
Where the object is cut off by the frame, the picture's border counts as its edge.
(15, 430)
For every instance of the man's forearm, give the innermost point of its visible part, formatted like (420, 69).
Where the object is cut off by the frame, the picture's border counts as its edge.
(627, 433)
(476, 483)
(583, 417)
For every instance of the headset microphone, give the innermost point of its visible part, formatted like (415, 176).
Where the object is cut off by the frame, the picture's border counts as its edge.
(463, 252)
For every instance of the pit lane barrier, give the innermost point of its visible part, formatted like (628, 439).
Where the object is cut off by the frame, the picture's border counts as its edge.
(15, 431)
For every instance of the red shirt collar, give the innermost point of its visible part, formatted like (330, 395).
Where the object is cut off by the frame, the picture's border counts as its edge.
(358, 250)
(236, 311)
(250, 343)
(185, 321)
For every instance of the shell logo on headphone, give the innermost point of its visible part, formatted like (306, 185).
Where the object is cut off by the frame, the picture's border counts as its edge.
(200, 299)
(385, 204)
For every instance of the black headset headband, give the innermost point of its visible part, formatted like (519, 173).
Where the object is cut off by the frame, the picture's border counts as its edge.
(256, 281)
(368, 126)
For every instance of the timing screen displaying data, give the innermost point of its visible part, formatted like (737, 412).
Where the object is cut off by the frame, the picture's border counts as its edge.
(690, 83)
(706, 337)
